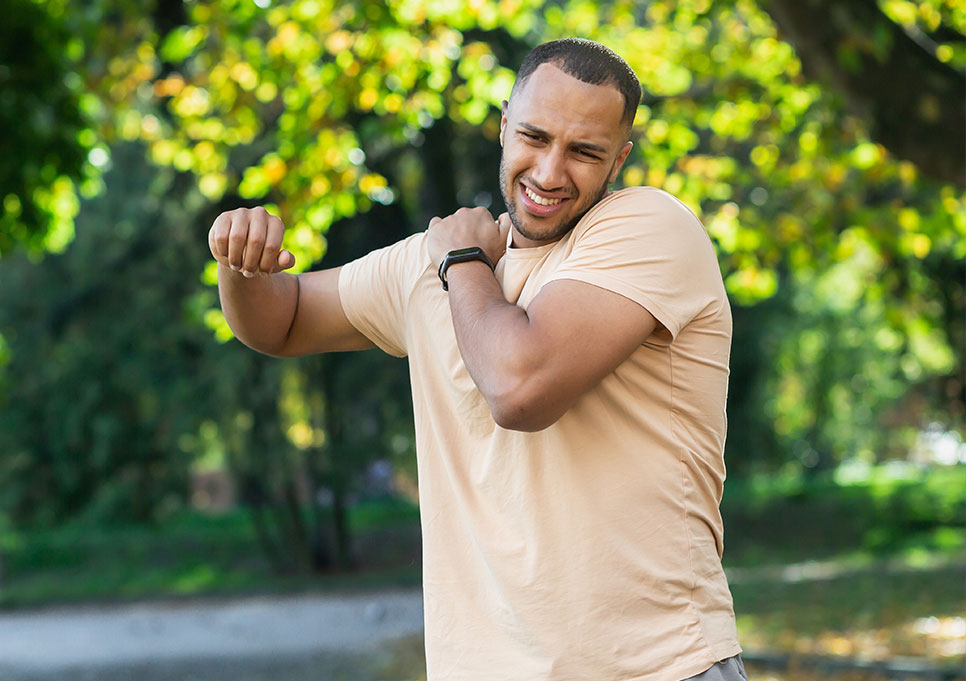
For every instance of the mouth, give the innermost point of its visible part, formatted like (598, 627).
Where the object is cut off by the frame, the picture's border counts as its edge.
(540, 205)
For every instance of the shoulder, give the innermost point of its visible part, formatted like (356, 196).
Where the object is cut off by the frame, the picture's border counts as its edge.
(375, 291)
(403, 261)
(642, 211)
(385, 275)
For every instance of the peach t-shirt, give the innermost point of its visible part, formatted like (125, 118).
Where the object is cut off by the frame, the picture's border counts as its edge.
(590, 549)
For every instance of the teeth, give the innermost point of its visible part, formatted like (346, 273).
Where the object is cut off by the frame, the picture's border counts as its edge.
(541, 200)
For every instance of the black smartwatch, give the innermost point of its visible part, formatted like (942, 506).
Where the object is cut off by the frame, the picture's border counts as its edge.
(461, 255)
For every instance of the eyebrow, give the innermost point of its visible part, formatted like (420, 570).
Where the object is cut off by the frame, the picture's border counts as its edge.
(589, 146)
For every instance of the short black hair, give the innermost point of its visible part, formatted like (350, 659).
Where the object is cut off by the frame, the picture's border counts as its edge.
(588, 62)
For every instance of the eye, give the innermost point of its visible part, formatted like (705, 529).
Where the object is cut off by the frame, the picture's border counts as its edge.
(589, 155)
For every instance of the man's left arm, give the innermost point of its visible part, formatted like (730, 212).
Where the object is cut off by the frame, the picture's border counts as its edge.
(532, 364)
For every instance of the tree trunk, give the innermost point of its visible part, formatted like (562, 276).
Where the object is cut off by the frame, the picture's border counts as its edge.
(915, 104)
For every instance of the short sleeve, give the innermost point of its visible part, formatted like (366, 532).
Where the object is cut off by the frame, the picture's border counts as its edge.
(375, 291)
(646, 245)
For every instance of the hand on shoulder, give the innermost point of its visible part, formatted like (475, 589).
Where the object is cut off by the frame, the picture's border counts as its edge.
(465, 228)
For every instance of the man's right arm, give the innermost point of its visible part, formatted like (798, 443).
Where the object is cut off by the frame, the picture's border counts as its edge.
(269, 310)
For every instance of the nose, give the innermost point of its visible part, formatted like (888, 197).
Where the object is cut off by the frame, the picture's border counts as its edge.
(550, 171)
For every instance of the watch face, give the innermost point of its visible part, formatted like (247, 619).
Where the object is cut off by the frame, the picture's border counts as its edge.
(459, 252)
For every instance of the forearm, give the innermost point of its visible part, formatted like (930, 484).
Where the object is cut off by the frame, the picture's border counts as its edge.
(496, 343)
(533, 364)
(260, 310)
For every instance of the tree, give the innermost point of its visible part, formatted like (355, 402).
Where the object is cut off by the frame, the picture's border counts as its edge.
(840, 254)
(897, 66)
(47, 139)
(104, 358)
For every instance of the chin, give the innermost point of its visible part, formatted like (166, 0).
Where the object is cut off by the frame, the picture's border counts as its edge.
(552, 233)
(537, 229)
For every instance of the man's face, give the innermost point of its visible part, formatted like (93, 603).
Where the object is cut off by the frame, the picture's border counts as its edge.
(563, 143)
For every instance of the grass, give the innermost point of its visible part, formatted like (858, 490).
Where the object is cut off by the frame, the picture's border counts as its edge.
(191, 554)
(876, 614)
(869, 567)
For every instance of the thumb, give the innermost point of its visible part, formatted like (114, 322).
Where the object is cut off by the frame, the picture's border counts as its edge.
(285, 261)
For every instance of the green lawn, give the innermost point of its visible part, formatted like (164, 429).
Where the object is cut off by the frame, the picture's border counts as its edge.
(796, 630)
(871, 569)
(191, 554)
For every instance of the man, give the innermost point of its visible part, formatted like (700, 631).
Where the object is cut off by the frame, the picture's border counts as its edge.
(569, 381)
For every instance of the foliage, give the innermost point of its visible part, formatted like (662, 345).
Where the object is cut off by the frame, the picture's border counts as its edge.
(856, 516)
(298, 436)
(322, 108)
(106, 415)
(46, 137)
(103, 350)
(898, 64)
(357, 122)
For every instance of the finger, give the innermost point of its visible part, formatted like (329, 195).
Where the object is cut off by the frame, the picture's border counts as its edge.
(434, 220)
(212, 243)
(237, 238)
(285, 260)
(218, 236)
(255, 244)
(273, 242)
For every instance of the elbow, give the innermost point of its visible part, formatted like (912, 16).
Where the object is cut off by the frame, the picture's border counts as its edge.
(262, 337)
(523, 410)
(265, 346)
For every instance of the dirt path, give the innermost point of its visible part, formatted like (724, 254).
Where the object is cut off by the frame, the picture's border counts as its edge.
(245, 638)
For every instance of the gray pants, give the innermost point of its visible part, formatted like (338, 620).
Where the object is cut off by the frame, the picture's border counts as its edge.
(731, 669)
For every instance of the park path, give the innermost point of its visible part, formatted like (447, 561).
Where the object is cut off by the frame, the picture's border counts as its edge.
(93, 642)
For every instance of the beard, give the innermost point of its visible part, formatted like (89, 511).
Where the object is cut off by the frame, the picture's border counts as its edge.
(563, 225)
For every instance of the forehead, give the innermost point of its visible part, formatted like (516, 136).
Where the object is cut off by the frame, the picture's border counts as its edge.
(557, 102)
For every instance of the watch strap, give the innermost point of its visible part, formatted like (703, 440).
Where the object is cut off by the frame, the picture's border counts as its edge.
(461, 255)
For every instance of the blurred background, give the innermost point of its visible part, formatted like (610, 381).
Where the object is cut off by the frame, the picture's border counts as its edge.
(147, 457)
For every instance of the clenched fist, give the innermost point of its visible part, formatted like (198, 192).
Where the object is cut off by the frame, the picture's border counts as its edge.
(249, 241)
(468, 227)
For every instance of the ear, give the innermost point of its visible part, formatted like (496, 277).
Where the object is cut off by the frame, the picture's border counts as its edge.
(504, 108)
(619, 161)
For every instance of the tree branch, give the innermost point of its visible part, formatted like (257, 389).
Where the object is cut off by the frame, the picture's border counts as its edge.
(915, 104)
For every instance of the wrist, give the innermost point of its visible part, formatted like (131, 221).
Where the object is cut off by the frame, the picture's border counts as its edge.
(462, 256)
(461, 269)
